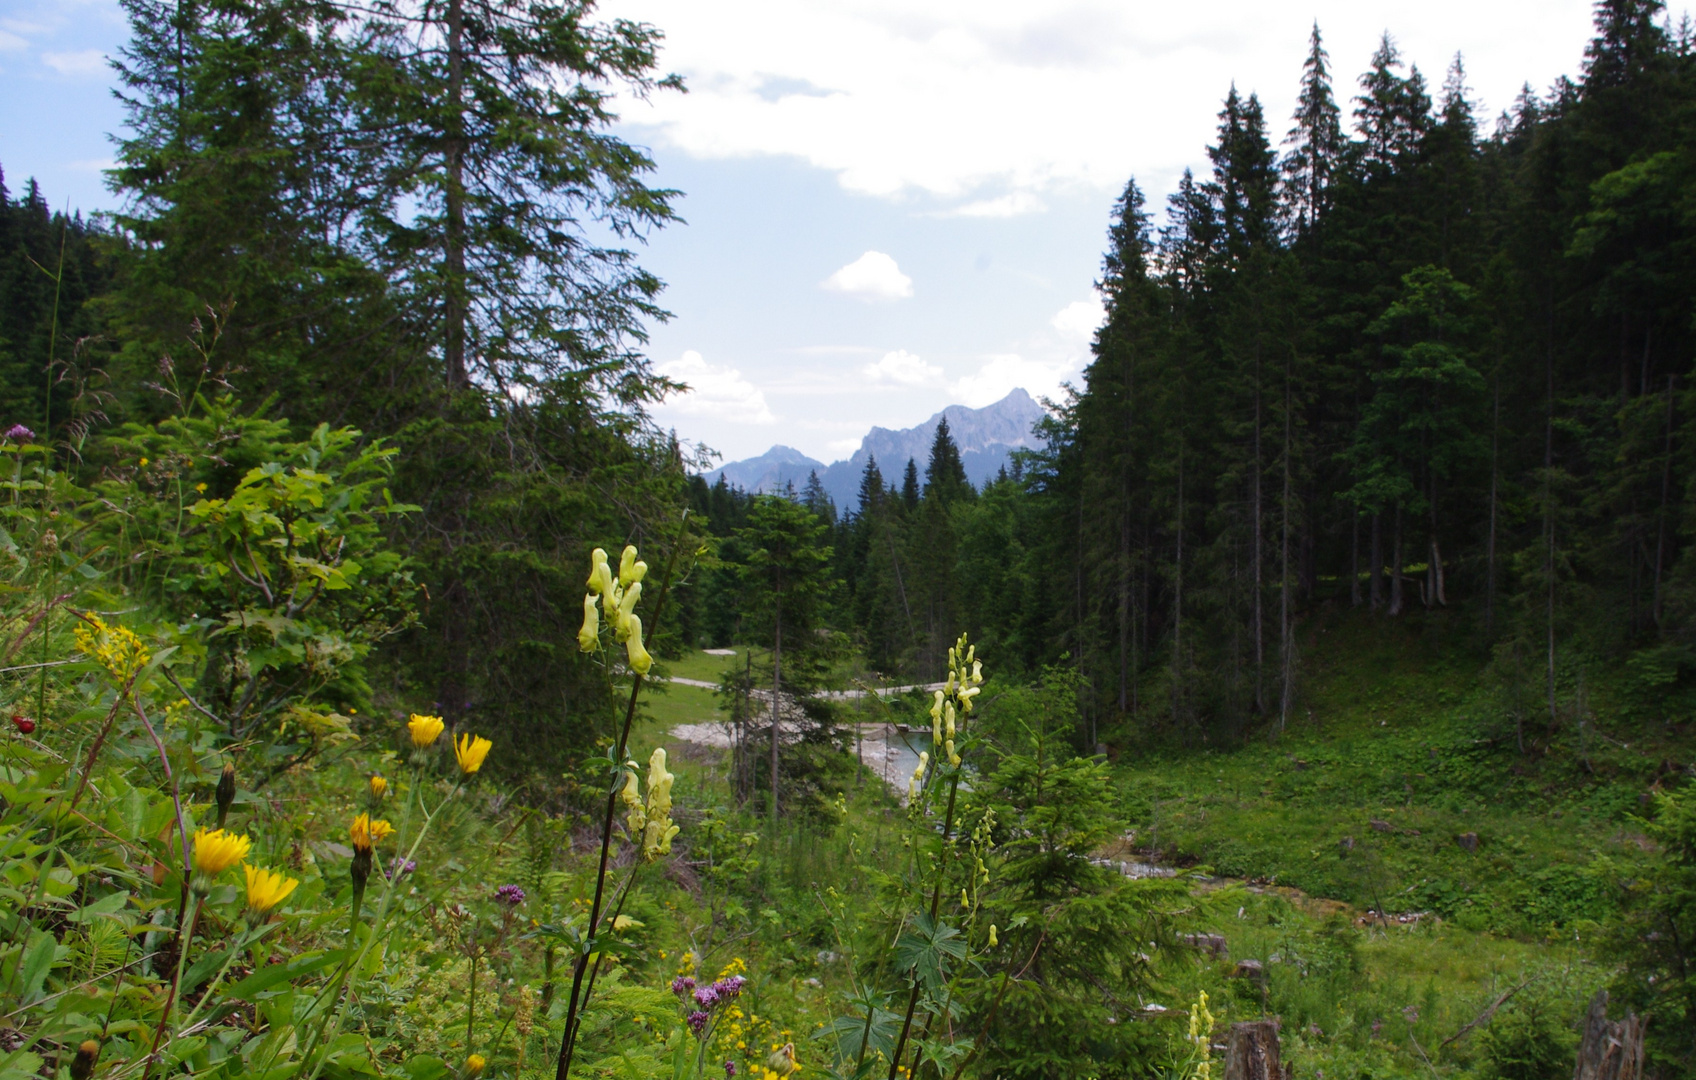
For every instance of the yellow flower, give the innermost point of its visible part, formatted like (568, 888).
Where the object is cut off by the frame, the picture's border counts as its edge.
(200, 487)
(425, 730)
(474, 1065)
(116, 648)
(590, 635)
(216, 850)
(144, 463)
(378, 787)
(600, 575)
(366, 833)
(625, 922)
(658, 830)
(640, 661)
(471, 750)
(993, 940)
(266, 889)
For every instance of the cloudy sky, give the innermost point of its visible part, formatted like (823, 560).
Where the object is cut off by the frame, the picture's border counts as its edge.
(892, 205)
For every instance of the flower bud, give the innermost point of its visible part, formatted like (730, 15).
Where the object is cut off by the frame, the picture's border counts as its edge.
(82, 1066)
(977, 671)
(993, 940)
(965, 901)
(936, 706)
(226, 793)
(590, 635)
(627, 565)
(638, 571)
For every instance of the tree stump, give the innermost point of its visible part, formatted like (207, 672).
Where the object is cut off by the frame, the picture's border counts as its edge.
(1252, 1053)
(1610, 1049)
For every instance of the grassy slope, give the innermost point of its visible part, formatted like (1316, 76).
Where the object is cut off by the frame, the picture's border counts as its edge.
(1394, 727)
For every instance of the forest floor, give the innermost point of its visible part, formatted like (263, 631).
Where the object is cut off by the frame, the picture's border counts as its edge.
(1393, 863)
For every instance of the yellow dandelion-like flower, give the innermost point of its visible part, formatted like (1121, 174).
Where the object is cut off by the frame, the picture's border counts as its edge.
(474, 1065)
(366, 833)
(266, 889)
(470, 750)
(425, 730)
(216, 850)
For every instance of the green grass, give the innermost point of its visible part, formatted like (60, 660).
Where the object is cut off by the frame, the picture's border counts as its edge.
(696, 664)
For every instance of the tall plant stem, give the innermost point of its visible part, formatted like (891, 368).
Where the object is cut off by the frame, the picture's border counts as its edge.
(577, 1001)
(935, 906)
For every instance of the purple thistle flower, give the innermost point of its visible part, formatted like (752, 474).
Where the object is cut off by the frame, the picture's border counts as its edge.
(730, 987)
(401, 865)
(19, 433)
(510, 894)
(729, 1069)
(682, 985)
(707, 996)
(697, 1021)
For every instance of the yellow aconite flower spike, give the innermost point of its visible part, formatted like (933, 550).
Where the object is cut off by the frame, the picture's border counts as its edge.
(425, 730)
(627, 573)
(640, 661)
(597, 561)
(936, 705)
(977, 670)
(266, 889)
(993, 940)
(627, 602)
(590, 635)
(638, 570)
(470, 750)
(216, 850)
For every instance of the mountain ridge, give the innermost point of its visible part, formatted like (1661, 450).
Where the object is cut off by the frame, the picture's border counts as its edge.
(986, 437)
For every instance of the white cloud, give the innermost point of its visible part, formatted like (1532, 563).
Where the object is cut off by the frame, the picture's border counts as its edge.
(82, 62)
(1004, 206)
(1077, 322)
(720, 393)
(873, 276)
(1003, 373)
(985, 100)
(11, 42)
(904, 369)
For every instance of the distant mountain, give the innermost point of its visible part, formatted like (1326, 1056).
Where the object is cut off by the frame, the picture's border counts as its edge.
(985, 436)
(770, 471)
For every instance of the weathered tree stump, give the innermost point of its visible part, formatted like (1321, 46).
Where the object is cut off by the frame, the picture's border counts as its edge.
(1610, 1049)
(1252, 1053)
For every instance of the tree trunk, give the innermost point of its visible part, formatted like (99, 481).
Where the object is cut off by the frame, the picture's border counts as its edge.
(1259, 577)
(1396, 568)
(1490, 546)
(1252, 1052)
(1549, 508)
(454, 308)
(1376, 571)
(1284, 650)
(1661, 520)
(1178, 603)
(1354, 560)
(1609, 1049)
(776, 683)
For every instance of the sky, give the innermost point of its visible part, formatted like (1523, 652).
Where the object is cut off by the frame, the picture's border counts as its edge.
(890, 205)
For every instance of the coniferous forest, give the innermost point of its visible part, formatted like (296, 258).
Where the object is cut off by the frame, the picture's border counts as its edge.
(1326, 676)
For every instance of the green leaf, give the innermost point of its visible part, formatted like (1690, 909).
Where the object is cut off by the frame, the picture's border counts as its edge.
(37, 962)
(106, 905)
(293, 968)
(426, 1067)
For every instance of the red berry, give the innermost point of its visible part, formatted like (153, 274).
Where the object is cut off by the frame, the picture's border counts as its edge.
(23, 723)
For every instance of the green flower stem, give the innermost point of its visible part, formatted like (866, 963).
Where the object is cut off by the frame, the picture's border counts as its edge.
(935, 906)
(336, 1012)
(569, 1039)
